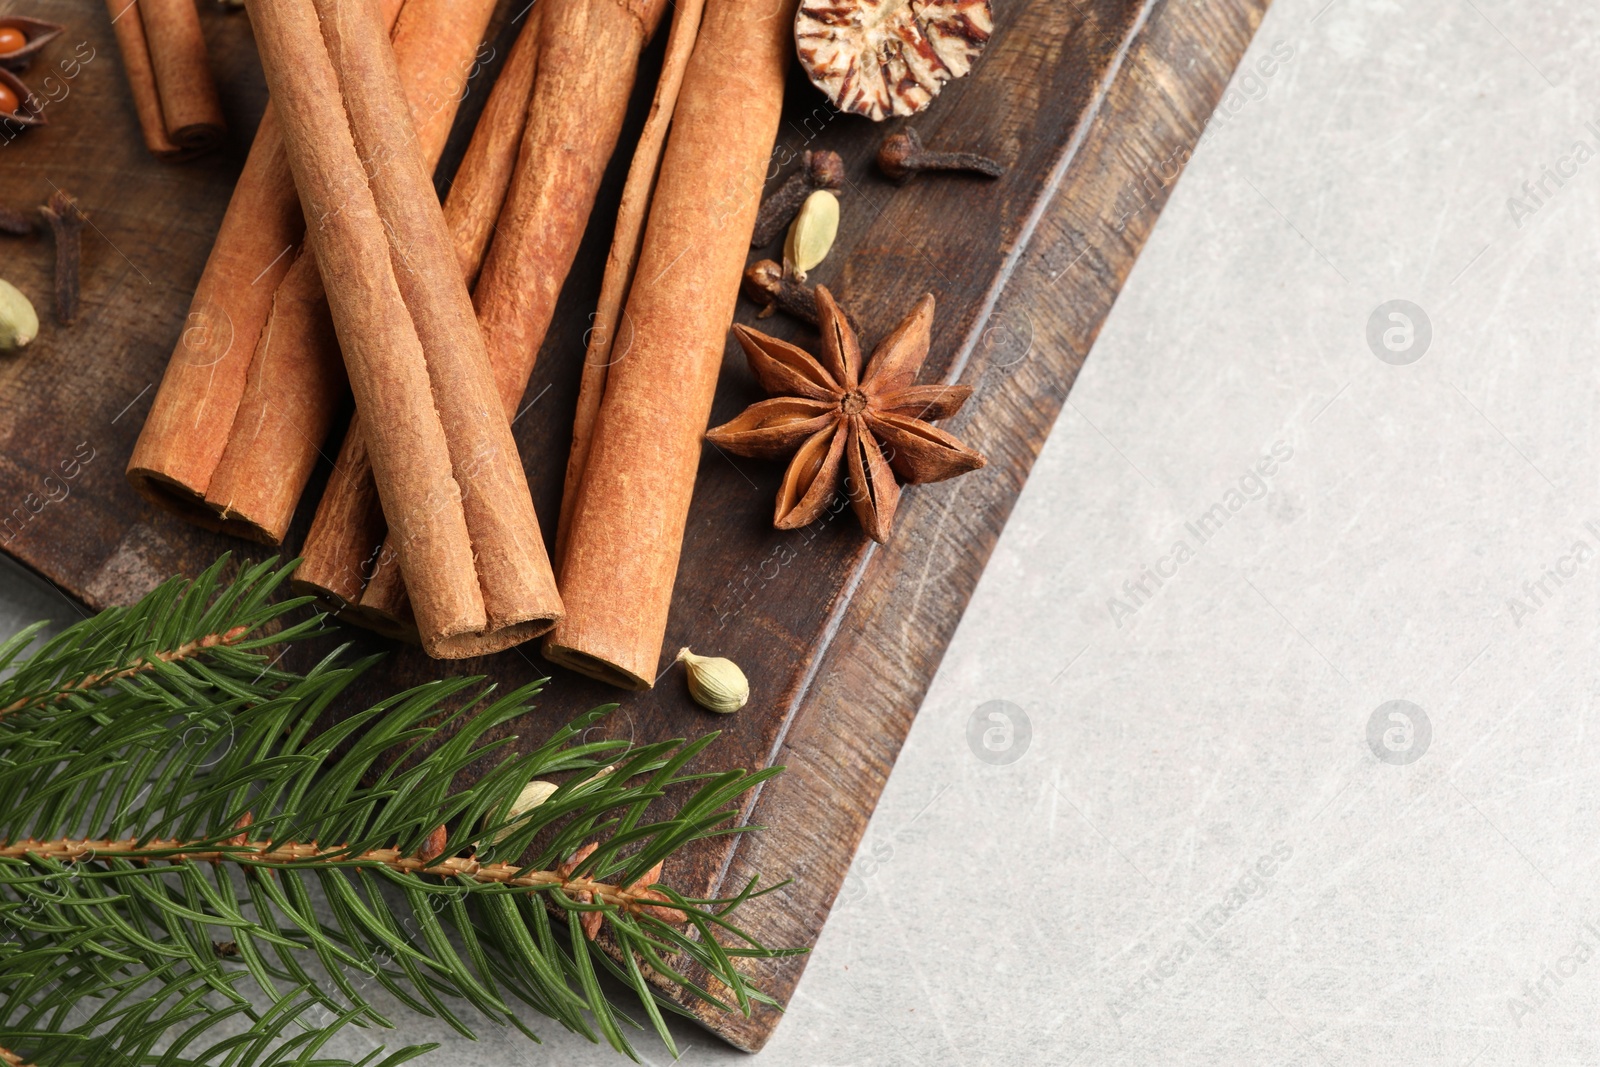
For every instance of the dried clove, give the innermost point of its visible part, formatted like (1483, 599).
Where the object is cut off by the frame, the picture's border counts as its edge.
(766, 283)
(66, 221)
(818, 170)
(903, 156)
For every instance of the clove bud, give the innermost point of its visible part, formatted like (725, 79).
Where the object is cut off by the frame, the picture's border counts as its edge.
(818, 170)
(902, 156)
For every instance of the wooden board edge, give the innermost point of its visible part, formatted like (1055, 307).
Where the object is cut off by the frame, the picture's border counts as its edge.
(1045, 313)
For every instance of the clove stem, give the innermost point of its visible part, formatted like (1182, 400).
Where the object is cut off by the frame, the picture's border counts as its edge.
(903, 156)
(66, 221)
(768, 284)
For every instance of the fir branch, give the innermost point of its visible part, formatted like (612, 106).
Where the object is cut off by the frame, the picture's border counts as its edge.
(129, 852)
(205, 631)
(636, 899)
(140, 666)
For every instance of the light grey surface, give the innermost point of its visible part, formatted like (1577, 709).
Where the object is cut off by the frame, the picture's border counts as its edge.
(1100, 899)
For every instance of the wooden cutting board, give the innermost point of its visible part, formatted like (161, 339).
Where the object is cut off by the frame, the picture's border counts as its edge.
(1094, 105)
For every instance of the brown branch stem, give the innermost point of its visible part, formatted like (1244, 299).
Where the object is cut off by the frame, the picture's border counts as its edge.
(637, 898)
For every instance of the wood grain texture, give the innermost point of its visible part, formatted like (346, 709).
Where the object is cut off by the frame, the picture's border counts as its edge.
(1088, 102)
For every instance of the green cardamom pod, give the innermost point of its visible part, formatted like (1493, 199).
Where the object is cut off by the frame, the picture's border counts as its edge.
(812, 233)
(19, 323)
(716, 684)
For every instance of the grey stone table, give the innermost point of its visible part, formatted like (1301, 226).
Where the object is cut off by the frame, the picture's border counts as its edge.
(1295, 621)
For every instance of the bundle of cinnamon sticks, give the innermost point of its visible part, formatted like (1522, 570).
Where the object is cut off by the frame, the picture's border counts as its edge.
(426, 529)
(637, 444)
(443, 461)
(169, 76)
(587, 56)
(256, 382)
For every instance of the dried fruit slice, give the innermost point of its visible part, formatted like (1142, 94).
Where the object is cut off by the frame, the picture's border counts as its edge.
(889, 57)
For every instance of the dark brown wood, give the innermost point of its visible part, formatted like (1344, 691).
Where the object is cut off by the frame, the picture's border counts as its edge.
(1088, 102)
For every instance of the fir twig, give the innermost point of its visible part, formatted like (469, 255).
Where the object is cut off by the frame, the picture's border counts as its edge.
(174, 828)
(635, 899)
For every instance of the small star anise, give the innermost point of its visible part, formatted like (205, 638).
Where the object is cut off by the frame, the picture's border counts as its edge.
(844, 426)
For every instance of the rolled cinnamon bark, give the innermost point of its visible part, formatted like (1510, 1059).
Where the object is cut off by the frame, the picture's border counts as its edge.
(193, 412)
(341, 551)
(128, 27)
(589, 55)
(480, 184)
(169, 75)
(189, 103)
(624, 254)
(441, 450)
(294, 389)
(285, 415)
(197, 403)
(436, 47)
(344, 549)
(627, 528)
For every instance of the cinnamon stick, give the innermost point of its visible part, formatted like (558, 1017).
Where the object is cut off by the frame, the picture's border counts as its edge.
(624, 253)
(588, 58)
(298, 391)
(589, 55)
(343, 549)
(443, 460)
(294, 389)
(169, 75)
(128, 28)
(191, 419)
(481, 181)
(193, 412)
(436, 45)
(633, 502)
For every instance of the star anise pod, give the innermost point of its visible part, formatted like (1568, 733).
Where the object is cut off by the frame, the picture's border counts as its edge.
(845, 425)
